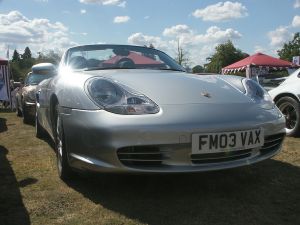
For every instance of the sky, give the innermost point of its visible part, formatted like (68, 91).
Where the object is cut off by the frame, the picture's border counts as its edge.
(198, 25)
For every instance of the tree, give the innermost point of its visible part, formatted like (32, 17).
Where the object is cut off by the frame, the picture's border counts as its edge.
(27, 54)
(290, 49)
(20, 66)
(224, 55)
(198, 69)
(50, 57)
(182, 56)
(15, 70)
(16, 56)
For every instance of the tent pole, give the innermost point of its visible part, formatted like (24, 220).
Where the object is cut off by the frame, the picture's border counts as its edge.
(248, 71)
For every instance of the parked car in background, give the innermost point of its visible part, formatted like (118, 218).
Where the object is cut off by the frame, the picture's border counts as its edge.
(25, 97)
(287, 97)
(122, 108)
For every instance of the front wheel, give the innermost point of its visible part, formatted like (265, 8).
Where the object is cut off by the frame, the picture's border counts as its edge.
(290, 108)
(26, 116)
(64, 170)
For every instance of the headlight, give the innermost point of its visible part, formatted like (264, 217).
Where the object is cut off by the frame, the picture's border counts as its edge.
(119, 99)
(258, 94)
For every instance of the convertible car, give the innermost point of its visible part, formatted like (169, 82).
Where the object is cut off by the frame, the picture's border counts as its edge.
(25, 97)
(121, 108)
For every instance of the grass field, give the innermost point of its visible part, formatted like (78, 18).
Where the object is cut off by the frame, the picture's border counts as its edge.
(32, 193)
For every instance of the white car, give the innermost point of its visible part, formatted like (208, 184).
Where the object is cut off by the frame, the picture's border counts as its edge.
(287, 97)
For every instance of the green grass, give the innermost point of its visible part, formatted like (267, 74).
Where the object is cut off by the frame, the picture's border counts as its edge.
(32, 193)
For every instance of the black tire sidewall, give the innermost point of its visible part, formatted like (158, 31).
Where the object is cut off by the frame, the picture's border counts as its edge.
(296, 105)
(25, 115)
(39, 131)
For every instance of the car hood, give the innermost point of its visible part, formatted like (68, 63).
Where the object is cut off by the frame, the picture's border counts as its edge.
(29, 88)
(165, 87)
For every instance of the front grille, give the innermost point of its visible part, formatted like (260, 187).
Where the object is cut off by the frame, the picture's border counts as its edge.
(141, 156)
(272, 143)
(153, 156)
(220, 156)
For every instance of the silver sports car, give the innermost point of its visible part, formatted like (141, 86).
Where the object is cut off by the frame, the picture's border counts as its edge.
(121, 108)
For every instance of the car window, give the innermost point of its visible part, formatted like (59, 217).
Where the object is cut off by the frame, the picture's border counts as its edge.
(35, 79)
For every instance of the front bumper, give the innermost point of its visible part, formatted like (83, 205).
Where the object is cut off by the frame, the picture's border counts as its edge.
(161, 143)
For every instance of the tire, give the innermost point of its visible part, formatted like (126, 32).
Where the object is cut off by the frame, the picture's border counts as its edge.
(26, 117)
(290, 108)
(64, 170)
(39, 130)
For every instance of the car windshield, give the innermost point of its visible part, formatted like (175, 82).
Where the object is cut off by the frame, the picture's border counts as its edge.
(35, 79)
(97, 57)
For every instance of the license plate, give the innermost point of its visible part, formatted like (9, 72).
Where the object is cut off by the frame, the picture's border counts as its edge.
(227, 141)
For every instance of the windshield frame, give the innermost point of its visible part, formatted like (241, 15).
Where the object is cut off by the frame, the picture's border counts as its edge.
(169, 61)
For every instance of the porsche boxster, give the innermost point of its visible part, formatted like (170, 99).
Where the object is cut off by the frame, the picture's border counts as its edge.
(122, 108)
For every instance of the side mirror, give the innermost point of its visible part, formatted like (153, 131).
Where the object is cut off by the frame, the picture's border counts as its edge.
(298, 75)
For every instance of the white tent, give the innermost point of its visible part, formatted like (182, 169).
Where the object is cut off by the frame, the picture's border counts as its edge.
(4, 81)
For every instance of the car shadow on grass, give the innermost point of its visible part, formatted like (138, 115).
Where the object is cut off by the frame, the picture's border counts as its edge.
(265, 193)
(12, 209)
(3, 126)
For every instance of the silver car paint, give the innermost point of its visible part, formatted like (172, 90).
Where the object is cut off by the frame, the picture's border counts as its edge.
(93, 136)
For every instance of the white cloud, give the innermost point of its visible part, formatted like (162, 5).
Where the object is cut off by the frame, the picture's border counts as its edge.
(82, 11)
(122, 4)
(282, 35)
(213, 34)
(258, 48)
(119, 3)
(199, 46)
(279, 36)
(296, 21)
(39, 34)
(141, 39)
(297, 4)
(121, 19)
(222, 11)
(177, 30)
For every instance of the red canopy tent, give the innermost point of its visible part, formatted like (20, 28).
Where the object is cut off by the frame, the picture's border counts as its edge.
(136, 58)
(259, 61)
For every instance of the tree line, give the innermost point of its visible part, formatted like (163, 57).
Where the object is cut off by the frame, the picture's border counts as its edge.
(21, 64)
